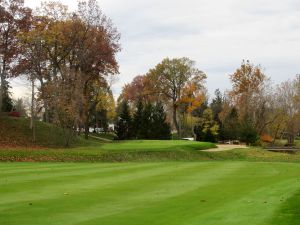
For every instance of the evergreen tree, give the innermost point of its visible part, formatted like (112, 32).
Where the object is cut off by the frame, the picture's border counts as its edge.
(217, 106)
(137, 119)
(146, 122)
(248, 132)
(7, 102)
(124, 123)
(160, 129)
(231, 127)
(209, 136)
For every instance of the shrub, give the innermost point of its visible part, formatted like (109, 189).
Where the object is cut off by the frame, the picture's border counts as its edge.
(14, 114)
(266, 138)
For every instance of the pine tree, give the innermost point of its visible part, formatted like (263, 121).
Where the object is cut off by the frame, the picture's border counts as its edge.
(231, 126)
(217, 105)
(137, 119)
(145, 128)
(247, 131)
(160, 129)
(7, 102)
(124, 123)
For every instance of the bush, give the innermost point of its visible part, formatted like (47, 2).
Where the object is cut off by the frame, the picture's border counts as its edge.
(266, 138)
(14, 114)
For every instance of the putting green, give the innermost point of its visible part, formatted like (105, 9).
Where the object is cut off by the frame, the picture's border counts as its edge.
(185, 193)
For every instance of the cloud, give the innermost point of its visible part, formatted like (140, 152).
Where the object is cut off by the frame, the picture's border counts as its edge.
(216, 34)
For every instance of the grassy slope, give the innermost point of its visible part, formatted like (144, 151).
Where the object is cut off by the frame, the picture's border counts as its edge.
(142, 151)
(16, 132)
(95, 150)
(208, 193)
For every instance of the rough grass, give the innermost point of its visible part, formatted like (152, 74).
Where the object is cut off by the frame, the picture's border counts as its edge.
(142, 151)
(156, 145)
(16, 132)
(176, 193)
(96, 151)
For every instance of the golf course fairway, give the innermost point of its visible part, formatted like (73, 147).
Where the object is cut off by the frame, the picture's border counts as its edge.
(173, 193)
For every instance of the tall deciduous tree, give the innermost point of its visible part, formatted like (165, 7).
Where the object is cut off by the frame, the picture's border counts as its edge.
(73, 52)
(169, 79)
(287, 100)
(14, 17)
(247, 82)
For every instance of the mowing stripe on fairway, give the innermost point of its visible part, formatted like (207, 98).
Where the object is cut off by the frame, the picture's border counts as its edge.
(181, 171)
(189, 208)
(64, 172)
(209, 193)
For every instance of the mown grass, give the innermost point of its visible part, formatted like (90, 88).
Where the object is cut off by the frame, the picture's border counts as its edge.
(175, 193)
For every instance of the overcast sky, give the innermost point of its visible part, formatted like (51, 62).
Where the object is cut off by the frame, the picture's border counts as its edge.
(217, 34)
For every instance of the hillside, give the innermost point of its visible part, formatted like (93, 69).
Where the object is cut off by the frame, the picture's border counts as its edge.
(16, 132)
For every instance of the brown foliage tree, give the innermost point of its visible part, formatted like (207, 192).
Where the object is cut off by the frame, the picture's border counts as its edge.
(14, 18)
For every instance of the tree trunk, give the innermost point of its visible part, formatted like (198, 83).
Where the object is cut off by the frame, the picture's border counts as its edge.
(291, 139)
(276, 133)
(32, 122)
(175, 120)
(1, 88)
(86, 128)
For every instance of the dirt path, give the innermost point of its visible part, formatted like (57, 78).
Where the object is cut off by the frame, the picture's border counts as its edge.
(101, 139)
(224, 147)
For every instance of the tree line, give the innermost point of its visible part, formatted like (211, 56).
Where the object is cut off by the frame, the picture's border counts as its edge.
(252, 111)
(70, 59)
(147, 122)
(69, 55)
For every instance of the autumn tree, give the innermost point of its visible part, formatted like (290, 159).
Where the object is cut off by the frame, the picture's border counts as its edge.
(14, 17)
(287, 100)
(247, 82)
(95, 53)
(140, 89)
(169, 79)
(103, 107)
(74, 50)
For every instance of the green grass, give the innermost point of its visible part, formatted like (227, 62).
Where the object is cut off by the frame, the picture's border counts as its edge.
(174, 193)
(156, 145)
(123, 151)
(141, 151)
